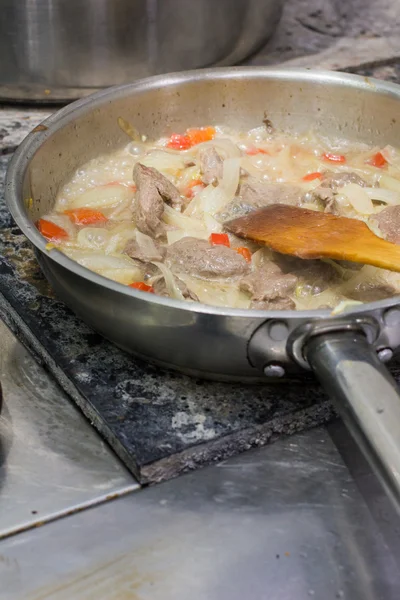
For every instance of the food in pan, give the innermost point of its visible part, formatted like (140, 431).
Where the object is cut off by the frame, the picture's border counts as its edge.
(151, 215)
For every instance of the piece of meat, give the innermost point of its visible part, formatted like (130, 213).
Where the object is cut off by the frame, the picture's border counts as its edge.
(316, 274)
(268, 285)
(161, 289)
(254, 194)
(334, 180)
(388, 221)
(150, 252)
(372, 291)
(210, 165)
(152, 190)
(199, 258)
(275, 304)
(257, 193)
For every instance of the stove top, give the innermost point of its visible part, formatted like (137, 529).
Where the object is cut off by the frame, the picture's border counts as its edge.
(159, 423)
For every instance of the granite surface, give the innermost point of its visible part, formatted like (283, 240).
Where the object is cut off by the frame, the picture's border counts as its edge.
(162, 423)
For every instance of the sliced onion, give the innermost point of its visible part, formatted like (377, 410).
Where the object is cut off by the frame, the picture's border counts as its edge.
(117, 267)
(358, 198)
(345, 305)
(93, 237)
(171, 285)
(177, 219)
(211, 224)
(104, 196)
(392, 155)
(120, 211)
(386, 196)
(217, 293)
(230, 177)
(177, 234)
(390, 183)
(146, 244)
(119, 238)
(164, 161)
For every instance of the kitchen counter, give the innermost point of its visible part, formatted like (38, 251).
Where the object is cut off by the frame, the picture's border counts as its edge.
(302, 518)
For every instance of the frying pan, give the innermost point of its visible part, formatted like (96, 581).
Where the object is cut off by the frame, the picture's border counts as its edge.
(346, 352)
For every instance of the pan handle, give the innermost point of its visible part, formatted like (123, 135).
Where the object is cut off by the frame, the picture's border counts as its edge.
(366, 397)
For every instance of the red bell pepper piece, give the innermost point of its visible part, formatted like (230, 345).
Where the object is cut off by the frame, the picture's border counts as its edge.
(378, 160)
(312, 176)
(219, 239)
(179, 142)
(338, 158)
(142, 286)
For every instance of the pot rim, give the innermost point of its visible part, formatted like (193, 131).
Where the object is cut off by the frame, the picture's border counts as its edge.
(26, 150)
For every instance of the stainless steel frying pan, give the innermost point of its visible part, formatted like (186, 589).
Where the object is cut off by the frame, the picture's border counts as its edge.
(345, 352)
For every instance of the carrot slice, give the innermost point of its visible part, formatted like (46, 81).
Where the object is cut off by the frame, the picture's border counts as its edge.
(312, 176)
(245, 252)
(198, 136)
(338, 158)
(142, 286)
(378, 160)
(51, 231)
(219, 239)
(85, 216)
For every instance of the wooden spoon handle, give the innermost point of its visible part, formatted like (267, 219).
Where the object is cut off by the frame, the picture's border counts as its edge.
(374, 251)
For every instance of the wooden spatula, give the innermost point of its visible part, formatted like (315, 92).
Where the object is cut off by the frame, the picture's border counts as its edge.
(311, 234)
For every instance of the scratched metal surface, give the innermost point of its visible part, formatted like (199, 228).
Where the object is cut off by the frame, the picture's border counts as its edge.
(51, 460)
(285, 522)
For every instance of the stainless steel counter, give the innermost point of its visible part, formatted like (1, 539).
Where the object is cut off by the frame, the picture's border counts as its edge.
(51, 460)
(290, 521)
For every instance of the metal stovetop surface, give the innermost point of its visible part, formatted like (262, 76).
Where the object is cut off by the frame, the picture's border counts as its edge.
(303, 518)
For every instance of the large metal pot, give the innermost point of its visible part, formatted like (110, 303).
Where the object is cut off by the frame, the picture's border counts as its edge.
(57, 50)
(345, 352)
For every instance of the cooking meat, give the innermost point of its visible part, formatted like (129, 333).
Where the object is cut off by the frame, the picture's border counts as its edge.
(388, 221)
(160, 288)
(257, 193)
(210, 165)
(145, 252)
(315, 274)
(373, 290)
(254, 194)
(199, 258)
(152, 190)
(269, 287)
(338, 180)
